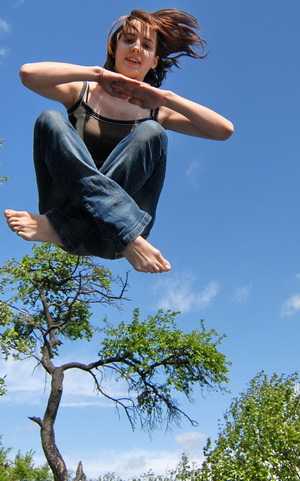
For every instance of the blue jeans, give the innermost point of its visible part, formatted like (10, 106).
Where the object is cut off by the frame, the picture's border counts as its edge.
(98, 212)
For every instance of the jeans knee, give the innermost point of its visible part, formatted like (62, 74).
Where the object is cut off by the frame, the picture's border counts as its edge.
(151, 130)
(48, 118)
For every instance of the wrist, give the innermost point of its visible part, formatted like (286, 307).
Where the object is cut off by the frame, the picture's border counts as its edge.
(98, 73)
(167, 98)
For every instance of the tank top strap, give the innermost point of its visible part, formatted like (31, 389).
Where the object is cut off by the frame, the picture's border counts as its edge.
(83, 96)
(154, 114)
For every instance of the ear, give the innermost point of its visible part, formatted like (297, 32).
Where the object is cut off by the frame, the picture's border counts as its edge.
(155, 62)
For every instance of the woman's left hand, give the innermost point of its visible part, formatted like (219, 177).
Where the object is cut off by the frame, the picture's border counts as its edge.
(142, 94)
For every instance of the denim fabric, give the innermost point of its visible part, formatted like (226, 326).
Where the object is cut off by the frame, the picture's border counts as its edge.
(98, 212)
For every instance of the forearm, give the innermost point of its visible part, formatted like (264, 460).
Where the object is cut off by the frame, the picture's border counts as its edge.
(48, 74)
(203, 121)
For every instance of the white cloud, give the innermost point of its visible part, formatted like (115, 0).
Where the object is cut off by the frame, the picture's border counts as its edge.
(133, 462)
(87, 395)
(241, 294)
(180, 295)
(191, 442)
(4, 26)
(125, 463)
(291, 305)
(3, 51)
(4, 29)
(192, 173)
(28, 384)
(25, 384)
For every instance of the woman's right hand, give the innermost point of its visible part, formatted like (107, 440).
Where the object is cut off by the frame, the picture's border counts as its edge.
(115, 84)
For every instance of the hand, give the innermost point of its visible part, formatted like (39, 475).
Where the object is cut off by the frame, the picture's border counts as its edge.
(137, 93)
(115, 84)
(141, 94)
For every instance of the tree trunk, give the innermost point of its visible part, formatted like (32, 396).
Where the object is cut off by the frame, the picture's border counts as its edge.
(53, 456)
(80, 476)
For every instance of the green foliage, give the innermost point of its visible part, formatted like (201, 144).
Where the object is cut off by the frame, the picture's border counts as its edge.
(109, 477)
(2, 179)
(21, 468)
(51, 291)
(48, 297)
(184, 471)
(260, 440)
(155, 358)
(2, 386)
(51, 297)
(3, 459)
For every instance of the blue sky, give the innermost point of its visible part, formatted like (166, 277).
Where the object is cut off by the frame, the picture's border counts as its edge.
(228, 219)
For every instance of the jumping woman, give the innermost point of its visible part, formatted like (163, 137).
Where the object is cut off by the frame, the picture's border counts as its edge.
(101, 170)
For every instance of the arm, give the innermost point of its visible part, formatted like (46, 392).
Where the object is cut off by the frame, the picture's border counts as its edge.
(57, 81)
(191, 118)
(178, 113)
(63, 81)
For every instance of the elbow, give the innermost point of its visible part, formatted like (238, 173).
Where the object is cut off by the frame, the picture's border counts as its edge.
(227, 131)
(25, 74)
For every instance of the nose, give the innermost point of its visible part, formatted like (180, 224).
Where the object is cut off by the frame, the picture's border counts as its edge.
(136, 46)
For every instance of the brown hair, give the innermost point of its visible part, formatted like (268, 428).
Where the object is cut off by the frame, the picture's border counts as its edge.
(175, 35)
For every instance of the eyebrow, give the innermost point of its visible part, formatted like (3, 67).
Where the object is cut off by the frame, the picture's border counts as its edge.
(133, 33)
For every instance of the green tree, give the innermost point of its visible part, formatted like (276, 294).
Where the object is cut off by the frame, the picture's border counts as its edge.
(2, 382)
(22, 467)
(260, 439)
(2, 386)
(184, 471)
(2, 179)
(51, 295)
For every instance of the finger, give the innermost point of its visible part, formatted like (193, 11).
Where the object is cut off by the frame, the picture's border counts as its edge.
(121, 95)
(127, 81)
(124, 87)
(118, 94)
(135, 101)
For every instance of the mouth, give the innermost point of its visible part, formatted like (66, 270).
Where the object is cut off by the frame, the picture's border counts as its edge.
(133, 60)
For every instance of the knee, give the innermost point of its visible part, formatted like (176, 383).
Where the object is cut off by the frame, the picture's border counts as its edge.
(151, 130)
(48, 119)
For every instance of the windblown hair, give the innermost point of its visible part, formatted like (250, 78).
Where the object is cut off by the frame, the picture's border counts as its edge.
(176, 36)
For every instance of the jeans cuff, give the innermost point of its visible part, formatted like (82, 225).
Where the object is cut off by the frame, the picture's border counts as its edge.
(53, 216)
(138, 230)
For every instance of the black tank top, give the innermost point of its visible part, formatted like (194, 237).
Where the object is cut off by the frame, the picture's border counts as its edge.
(100, 134)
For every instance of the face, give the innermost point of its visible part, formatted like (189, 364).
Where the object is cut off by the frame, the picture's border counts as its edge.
(136, 51)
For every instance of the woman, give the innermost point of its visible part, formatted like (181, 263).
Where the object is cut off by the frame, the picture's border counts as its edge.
(100, 173)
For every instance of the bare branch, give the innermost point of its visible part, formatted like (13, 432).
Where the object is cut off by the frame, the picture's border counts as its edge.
(36, 420)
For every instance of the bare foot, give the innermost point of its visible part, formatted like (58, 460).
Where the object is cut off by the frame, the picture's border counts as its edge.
(144, 257)
(31, 227)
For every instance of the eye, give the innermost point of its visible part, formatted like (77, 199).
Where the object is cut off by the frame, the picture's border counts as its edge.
(129, 37)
